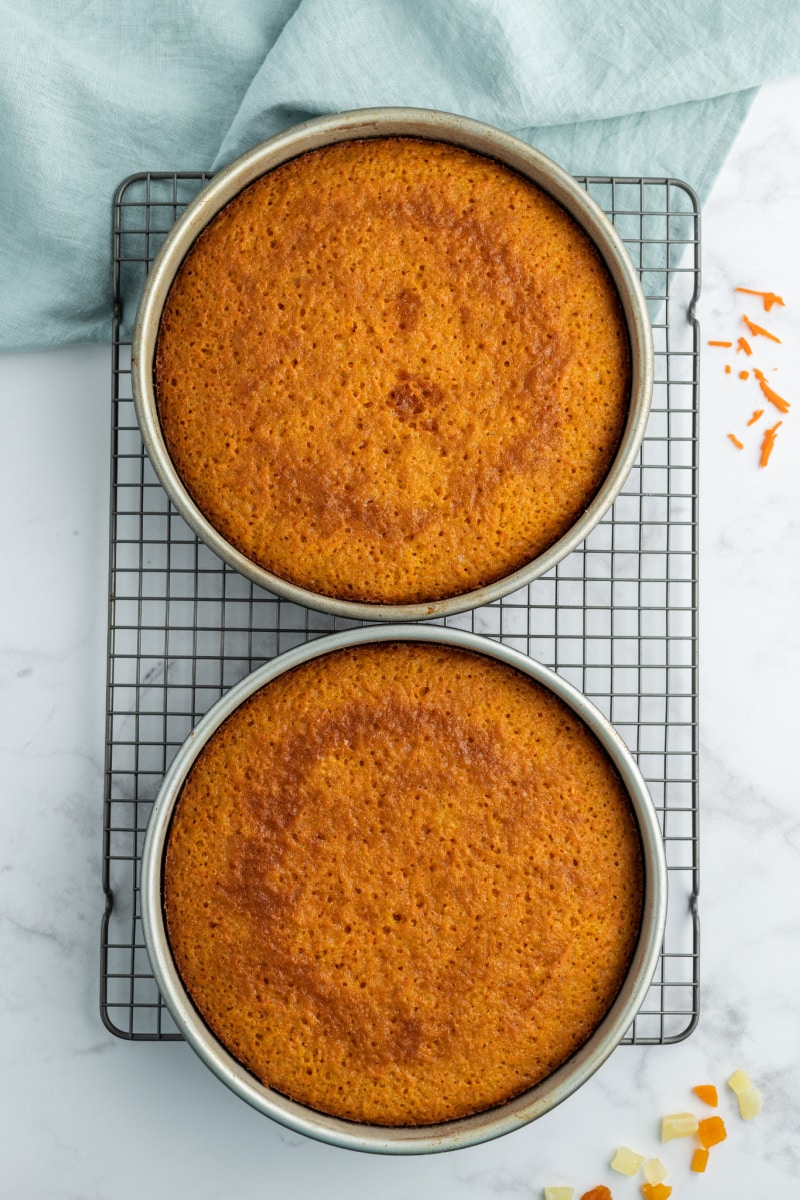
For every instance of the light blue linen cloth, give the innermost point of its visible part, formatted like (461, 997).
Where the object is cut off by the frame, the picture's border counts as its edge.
(94, 90)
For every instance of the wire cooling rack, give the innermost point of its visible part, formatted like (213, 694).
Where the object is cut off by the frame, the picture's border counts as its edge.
(618, 617)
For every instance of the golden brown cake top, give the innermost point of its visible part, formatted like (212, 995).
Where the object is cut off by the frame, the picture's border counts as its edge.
(403, 883)
(392, 371)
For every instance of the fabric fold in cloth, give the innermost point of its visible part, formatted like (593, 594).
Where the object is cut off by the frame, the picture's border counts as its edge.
(90, 94)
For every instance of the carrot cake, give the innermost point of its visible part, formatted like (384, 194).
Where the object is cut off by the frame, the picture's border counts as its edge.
(392, 370)
(403, 883)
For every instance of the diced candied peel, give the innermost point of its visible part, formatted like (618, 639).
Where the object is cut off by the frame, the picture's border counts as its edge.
(749, 1103)
(600, 1192)
(707, 1093)
(656, 1191)
(678, 1125)
(700, 1160)
(740, 1082)
(711, 1131)
(654, 1171)
(626, 1161)
(559, 1193)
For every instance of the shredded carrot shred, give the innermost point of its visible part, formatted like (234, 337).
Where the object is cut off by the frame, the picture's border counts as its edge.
(759, 330)
(727, 368)
(773, 397)
(707, 1093)
(744, 374)
(656, 1191)
(600, 1192)
(720, 343)
(759, 412)
(769, 298)
(743, 344)
(768, 443)
(739, 445)
(711, 1131)
(700, 1159)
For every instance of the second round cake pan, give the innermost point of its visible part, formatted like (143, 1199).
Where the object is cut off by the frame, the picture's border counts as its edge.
(463, 1131)
(384, 123)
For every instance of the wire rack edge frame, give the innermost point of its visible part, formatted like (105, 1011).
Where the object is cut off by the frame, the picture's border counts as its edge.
(198, 179)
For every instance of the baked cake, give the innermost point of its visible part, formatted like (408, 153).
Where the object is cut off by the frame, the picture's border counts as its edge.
(403, 883)
(393, 371)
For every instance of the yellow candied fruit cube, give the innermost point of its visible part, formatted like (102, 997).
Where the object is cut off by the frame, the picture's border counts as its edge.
(678, 1125)
(559, 1193)
(626, 1161)
(655, 1171)
(740, 1082)
(749, 1103)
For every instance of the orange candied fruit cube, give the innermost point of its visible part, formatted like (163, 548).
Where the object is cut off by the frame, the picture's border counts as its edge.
(707, 1093)
(700, 1160)
(711, 1131)
(656, 1191)
(600, 1192)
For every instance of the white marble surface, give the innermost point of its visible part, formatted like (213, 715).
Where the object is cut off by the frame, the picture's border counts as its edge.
(86, 1116)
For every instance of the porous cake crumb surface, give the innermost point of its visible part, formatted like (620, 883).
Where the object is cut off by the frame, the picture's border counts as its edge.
(393, 371)
(403, 883)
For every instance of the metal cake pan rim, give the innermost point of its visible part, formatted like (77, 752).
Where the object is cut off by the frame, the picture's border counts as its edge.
(465, 1131)
(385, 122)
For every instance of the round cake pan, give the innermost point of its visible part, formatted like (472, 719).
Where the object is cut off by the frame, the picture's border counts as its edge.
(389, 122)
(464, 1131)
